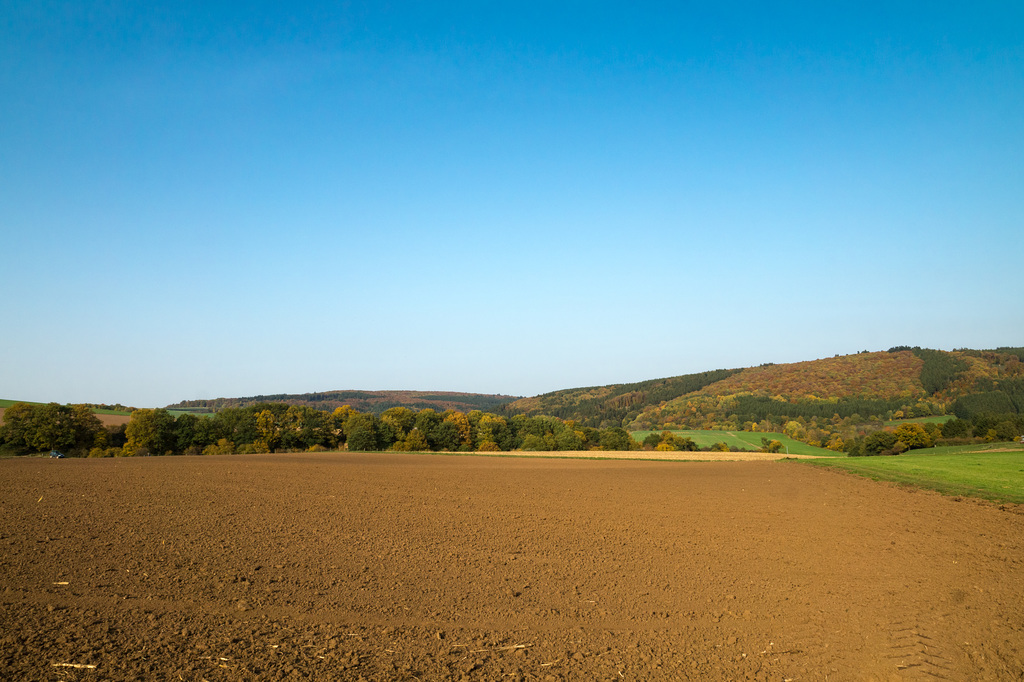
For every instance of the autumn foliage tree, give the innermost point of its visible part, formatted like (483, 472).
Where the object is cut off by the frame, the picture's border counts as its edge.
(913, 436)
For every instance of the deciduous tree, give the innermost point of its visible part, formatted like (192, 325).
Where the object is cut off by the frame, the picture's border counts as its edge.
(150, 432)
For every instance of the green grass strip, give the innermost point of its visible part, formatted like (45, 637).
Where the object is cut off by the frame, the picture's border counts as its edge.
(7, 403)
(995, 476)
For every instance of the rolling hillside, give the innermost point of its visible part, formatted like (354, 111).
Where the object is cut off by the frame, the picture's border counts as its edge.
(903, 381)
(616, 404)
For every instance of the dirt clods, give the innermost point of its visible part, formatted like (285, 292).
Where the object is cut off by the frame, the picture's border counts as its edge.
(414, 567)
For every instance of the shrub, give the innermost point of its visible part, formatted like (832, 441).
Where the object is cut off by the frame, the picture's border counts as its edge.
(878, 442)
(534, 443)
(222, 447)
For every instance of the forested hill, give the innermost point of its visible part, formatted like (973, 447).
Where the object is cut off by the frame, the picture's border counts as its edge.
(375, 402)
(900, 382)
(616, 404)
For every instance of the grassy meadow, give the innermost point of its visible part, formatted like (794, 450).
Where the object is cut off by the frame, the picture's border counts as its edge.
(940, 419)
(7, 403)
(746, 440)
(993, 472)
(178, 413)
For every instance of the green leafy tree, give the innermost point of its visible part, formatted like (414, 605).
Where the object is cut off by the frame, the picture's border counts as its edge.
(54, 427)
(414, 442)
(652, 440)
(401, 420)
(1006, 430)
(617, 439)
(569, 440)
(361, 432)
(18, 430)
(238, 424)
(446, 436)
(89, 431)
(150, 432)
(956, 428)
(362, 440)
(427, 421)
(879, 442)
(534, 443)
(185, 434)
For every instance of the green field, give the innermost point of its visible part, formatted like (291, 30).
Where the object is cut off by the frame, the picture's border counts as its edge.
(940, 419)
(178, 413)
(992, 472)
(8, 403)
(746, 440)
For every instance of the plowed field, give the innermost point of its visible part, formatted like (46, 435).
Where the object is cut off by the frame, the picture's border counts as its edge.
(414, 567)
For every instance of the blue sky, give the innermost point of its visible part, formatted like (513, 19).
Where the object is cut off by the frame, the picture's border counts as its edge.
(224, 199)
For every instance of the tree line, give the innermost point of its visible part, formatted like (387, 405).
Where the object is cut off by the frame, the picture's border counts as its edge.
(279, 427)
(978, 428)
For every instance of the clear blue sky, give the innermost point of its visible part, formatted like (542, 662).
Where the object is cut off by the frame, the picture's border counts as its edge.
(222, 199)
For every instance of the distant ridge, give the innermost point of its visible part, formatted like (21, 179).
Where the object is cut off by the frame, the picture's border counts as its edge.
(904, 381)
(363, 401)
(913, 381)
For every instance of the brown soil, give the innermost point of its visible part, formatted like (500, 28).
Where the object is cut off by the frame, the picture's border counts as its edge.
(419, 567)
(113, 419)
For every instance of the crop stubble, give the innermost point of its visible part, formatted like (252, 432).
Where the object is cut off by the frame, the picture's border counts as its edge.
(387, 566)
